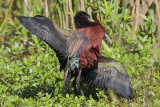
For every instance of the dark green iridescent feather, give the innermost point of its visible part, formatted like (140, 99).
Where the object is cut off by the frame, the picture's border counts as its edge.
(109, 74)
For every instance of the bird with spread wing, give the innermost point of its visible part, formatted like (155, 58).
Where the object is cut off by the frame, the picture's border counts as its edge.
(79, 53)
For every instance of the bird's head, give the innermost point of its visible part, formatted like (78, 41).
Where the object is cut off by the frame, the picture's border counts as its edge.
(82, 19)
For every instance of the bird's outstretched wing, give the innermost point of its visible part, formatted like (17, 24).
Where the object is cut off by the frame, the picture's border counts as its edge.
(65, 43)
(48, 31)
(62, 41)
(109, 74)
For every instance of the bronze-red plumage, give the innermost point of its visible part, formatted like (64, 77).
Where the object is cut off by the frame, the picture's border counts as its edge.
(91, 45)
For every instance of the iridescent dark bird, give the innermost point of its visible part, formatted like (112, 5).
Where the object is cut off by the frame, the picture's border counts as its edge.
(107, 73)
(76, 50)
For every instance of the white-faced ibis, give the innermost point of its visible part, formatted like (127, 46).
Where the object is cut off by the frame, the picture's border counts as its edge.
(79, 51)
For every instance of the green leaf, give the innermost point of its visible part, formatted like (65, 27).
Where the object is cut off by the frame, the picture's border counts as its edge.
(144, 17)
(106, 46)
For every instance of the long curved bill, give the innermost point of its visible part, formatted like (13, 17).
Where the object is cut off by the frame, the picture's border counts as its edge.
(108, 38)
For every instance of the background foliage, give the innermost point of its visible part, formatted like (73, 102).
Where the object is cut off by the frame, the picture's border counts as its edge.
(29, 69)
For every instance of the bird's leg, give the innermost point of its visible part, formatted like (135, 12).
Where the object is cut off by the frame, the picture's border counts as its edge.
(78, 81)
(65, 78)
(74, 86)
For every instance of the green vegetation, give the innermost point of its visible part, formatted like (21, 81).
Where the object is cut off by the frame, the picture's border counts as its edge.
(29, 69)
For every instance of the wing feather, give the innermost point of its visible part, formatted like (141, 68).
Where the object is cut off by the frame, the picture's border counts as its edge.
(76, 42)
(48, 31)
(109, 74)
